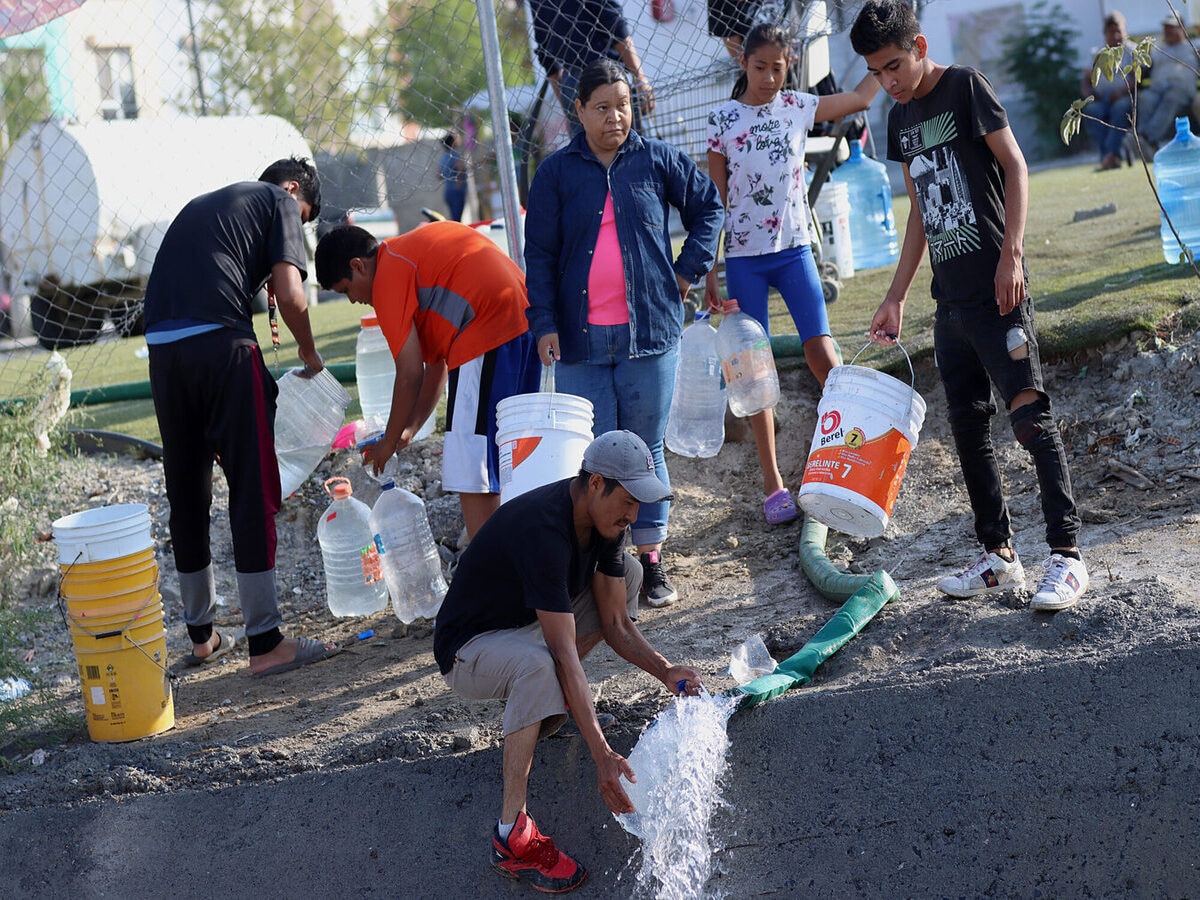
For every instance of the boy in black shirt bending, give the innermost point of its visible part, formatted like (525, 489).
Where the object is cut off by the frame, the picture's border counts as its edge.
(968, 186)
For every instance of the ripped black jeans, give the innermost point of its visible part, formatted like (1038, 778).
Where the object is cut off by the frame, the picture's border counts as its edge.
(976, 347)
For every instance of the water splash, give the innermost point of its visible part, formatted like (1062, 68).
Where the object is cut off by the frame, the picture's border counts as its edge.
(679, 761)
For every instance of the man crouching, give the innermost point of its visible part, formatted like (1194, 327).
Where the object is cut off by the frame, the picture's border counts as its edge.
(543, 582)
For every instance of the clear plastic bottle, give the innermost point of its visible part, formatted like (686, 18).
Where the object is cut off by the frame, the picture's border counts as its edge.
(872, 222)
(696, 422)
(751, 382)
(1177, 174)
(374, 370)
(308, 414)
(411, 565)
(354, 582)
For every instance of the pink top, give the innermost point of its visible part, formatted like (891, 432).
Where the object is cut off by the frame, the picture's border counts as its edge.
(607, 303)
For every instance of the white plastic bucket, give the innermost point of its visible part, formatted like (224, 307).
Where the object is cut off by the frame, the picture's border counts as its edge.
(833, 212)
(103, 533)
(541, 438)
(867, 425)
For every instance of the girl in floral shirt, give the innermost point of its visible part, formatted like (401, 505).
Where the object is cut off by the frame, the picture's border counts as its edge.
(756, 158)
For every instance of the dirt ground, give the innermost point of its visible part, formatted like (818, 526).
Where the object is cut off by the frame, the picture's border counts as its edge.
(1131, 422)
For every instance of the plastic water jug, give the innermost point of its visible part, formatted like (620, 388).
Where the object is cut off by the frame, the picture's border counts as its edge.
(748, 364)
(872, 222)
(308, 415)
(1177, 174)
(411, 565)
(696, 422)
(354, 582)
(374, 371)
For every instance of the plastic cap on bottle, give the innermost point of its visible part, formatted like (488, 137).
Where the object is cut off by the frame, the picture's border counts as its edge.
(369, 320)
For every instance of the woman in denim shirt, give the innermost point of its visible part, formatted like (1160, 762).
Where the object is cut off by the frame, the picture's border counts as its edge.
(606, 298)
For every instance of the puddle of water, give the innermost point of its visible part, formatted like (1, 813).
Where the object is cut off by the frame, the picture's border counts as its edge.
(679, 761)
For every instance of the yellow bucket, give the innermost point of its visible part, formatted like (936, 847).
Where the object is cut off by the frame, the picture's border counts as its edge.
(115, 616)
(127, 691)
(87, 581)
(125, 604)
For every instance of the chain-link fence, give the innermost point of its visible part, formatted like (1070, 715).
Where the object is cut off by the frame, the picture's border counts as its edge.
(115, 114)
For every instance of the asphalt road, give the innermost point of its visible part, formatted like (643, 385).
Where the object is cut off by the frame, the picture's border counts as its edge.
(1081, 779)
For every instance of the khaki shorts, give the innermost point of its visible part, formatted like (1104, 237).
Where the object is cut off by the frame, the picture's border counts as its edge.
(515, 664)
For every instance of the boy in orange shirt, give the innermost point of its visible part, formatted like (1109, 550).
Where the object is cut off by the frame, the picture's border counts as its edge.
(452, 307)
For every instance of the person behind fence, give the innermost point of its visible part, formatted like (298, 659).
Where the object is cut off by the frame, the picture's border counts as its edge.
(1172, 87)
(570, 34)
(1107, 120)
(451, 305)
(968, 187)
(756, 158)
(215, 399)
(452, 169)
(606, 288)
(544, 582)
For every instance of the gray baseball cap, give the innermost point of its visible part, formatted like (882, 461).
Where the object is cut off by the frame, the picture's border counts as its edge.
(624, 457)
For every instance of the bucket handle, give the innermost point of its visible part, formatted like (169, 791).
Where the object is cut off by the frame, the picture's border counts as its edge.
(547, 384)
(912, 377)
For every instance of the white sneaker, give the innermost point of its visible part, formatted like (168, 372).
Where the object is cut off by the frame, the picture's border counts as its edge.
(986, 575)
(1063, 584)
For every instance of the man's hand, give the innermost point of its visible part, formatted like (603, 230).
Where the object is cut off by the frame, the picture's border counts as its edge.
(885, 327)
(610, 766)
(313, 363)
(685, 675)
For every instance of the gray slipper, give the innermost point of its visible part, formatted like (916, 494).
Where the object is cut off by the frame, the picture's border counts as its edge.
(309, 651)
(227, 643)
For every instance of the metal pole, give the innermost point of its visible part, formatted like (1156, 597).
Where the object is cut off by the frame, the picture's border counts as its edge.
(196, 59)
(490, 39)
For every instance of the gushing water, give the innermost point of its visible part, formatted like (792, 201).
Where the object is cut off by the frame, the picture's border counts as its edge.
(678, 761)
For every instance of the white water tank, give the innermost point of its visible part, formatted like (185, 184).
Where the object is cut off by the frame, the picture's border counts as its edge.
(90, 203)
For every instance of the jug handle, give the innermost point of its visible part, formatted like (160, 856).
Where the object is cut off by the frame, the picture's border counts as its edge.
(333, 480)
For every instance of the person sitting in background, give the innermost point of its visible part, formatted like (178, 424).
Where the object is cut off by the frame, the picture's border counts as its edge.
(1172, 87)
(452, 307)
(1108, 113)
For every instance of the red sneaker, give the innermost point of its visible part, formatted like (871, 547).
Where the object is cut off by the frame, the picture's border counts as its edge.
(531, 855)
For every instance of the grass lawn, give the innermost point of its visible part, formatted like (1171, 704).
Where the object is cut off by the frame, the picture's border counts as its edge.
(1092, 281)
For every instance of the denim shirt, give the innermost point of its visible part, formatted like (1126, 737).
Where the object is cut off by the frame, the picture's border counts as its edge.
(562, 223)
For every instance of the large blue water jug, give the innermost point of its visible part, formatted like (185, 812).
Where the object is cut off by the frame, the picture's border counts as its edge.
(872, 223)
(1177, 174)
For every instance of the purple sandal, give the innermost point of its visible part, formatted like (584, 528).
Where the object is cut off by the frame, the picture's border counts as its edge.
(779, 507)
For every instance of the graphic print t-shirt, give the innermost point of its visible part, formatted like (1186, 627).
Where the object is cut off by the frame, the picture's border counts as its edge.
(763, 148)
(959, 184)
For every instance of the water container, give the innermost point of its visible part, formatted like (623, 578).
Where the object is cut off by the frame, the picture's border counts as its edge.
(696, 423)
(308, 415)
(872, 223)
(411, 565)
(1177, 174)
(374, 370)
(375, 375)
(832, 210)
(747, 363)
(354, 582)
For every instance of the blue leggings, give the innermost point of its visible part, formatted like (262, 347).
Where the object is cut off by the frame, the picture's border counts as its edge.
(793, 273)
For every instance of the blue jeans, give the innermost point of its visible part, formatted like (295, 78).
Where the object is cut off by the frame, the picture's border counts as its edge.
(1115, 113)
(631, 394)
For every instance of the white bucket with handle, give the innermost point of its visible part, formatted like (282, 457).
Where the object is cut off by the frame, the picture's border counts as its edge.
(867, 425)
(541, 438)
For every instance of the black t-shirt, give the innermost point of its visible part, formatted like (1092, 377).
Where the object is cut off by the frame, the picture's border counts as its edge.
(526, 557)
(219, 251)
(959, 183)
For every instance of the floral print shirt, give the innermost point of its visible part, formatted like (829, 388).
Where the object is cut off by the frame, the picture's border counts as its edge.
(763, 146)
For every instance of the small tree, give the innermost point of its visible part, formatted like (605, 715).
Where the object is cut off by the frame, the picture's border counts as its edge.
(1041, 58)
